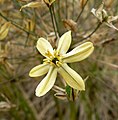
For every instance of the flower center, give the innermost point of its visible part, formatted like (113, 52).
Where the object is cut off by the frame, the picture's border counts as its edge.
(53, 59)
(56, 61)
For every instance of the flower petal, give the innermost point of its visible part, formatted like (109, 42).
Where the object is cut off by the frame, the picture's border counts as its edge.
(112, 18)
(44, 46)
(71, 77)
(79, 53)
(111, 25)
(47, 83)
(100, 13)
(93, 11)
(39, 70)
(64, 43)
(100, 8)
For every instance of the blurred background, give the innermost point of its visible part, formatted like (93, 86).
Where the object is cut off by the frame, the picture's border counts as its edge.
(18, 55)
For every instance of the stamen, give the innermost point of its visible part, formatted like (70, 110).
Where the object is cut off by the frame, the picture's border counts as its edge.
(49, 54)
(46, 60)
(56, 53)
(58, 63)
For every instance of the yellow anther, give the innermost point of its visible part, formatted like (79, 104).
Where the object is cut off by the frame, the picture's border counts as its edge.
(49, 54)
(56, 53)
(46, 60)
(58, 63)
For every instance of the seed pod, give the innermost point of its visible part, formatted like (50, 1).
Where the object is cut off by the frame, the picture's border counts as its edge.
(4, 30)
(31, 5)
(70, 25)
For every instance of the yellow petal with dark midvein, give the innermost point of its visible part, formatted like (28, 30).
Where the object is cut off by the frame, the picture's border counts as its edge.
(79, 53)
(39, 70)
(47, 83)
(71, 77)
(44, 46)
(64, 43)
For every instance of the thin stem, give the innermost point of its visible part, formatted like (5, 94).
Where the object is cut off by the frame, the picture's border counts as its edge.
(81, 11)
(18, 26)
(55, 19)
(84, 39)
(53, 23)
(92, 32)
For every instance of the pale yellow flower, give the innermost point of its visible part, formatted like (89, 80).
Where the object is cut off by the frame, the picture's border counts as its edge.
(102, 16)
(56, 61)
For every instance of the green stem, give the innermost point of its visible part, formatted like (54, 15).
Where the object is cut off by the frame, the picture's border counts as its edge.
(72, 110)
